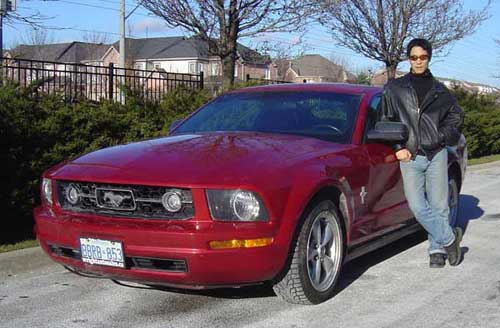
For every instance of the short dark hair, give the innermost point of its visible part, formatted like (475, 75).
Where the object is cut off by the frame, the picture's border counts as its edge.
(422, 43)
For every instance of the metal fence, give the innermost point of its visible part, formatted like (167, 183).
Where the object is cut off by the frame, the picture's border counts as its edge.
(266, 81)
(80, 81)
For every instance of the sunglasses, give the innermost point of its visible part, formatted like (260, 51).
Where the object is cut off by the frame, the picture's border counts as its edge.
(422, 57)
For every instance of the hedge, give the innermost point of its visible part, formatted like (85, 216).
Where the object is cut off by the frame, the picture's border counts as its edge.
(37, 132)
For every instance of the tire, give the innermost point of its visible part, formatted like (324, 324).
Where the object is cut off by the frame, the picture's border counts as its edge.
(453, 200)
(300, 282)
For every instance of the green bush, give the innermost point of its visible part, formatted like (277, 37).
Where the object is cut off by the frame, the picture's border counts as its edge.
(481, 122)
(36, 132)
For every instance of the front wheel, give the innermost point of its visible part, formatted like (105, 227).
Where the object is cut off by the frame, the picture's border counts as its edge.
(317, 258)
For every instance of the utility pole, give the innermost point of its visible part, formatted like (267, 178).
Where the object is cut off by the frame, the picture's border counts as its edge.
(122, 34)
(5, 6)
(123, 18)
(1, 38)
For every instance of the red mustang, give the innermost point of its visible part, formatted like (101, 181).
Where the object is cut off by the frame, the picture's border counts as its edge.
(277, 183)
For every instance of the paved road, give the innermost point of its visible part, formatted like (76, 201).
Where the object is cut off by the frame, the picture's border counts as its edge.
(392, 287)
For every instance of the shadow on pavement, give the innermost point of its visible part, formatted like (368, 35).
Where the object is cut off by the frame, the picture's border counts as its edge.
(353, 270)
(468, 210)
(350, 272)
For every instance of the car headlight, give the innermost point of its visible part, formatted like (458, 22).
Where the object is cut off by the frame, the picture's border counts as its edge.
(236, 205)
(47, 190)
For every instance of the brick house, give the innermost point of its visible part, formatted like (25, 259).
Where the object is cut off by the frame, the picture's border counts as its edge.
(186, 55)
(315, 68)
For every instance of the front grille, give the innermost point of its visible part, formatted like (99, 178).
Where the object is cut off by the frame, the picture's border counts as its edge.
(132, 201)
(159, 264)
(130, 262)
(65, 252)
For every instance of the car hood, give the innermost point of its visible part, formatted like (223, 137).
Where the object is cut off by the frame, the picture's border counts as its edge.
(196, 159)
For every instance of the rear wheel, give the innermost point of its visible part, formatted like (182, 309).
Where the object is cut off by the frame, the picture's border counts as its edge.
(453, 197)
(316, 259)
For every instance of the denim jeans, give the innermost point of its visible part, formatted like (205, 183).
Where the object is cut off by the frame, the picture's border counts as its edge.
(426, 190)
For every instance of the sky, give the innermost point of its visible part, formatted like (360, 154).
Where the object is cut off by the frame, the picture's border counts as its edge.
(476, 58)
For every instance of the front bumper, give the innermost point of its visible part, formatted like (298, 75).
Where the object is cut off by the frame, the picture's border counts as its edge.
(166, 242)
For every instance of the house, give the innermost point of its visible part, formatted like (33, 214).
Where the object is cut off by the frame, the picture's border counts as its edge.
(172, 54)
(380, 78)
(186, 55)
(316, 68)
(58, 67)
(179, 55)
(75, 52)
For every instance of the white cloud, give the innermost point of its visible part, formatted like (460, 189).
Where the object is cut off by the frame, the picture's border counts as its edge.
(150, 25)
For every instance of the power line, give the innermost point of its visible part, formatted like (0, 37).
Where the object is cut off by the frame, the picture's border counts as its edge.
(97, 6)
(59, 28)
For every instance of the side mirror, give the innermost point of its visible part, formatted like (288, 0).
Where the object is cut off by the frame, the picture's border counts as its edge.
(174, 124)
(390, 132)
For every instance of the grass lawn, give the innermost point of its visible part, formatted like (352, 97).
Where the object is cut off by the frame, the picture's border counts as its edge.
(19, 245)
(484, 160)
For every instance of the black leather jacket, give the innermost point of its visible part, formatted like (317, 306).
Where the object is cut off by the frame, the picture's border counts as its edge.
(437, 123)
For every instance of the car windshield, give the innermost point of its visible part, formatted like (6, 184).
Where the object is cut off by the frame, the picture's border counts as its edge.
(325, 115)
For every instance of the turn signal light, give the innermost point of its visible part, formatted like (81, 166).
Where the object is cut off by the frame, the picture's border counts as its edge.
(244, 243)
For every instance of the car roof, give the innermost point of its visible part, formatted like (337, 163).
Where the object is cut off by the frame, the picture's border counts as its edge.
(319, 87)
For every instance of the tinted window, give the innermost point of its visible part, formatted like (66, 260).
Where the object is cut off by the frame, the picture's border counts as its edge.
(323, 115)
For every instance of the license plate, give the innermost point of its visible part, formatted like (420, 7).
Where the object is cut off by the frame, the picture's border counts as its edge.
(102, 252)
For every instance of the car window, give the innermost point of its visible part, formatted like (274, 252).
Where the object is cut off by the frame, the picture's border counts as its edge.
(373, 115)
(324, 115)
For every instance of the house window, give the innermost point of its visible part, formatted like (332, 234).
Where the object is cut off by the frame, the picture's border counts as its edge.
(268, 74)
(195, 68)
(192, 68)
(215, 69)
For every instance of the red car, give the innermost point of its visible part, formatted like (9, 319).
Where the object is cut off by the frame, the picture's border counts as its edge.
(277, 183)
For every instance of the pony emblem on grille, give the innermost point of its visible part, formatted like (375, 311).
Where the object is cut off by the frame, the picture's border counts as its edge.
(115, 199)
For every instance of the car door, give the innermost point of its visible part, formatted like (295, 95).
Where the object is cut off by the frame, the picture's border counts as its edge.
(383, 196)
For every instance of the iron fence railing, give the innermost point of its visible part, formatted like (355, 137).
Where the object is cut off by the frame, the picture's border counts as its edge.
(77, 81)
(266, 81)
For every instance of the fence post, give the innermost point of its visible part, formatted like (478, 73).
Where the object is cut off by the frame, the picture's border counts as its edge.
(248, 77)
(75, 81)
(201, 80)
(111, 80)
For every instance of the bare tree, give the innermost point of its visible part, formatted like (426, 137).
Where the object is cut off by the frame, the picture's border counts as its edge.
(379, 29)
(282, 52)
(35, 20)
(37, 37)
(96, 37)
(341, 61)
(222, 23)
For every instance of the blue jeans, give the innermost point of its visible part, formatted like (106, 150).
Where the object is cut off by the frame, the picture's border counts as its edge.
(426, 190)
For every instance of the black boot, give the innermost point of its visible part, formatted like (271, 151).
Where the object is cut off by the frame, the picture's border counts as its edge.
(454, 251)
(437, 260)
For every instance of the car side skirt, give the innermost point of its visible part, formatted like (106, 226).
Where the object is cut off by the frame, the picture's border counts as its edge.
(369, 246)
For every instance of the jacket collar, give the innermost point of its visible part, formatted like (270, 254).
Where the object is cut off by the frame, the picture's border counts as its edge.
(437, 86)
